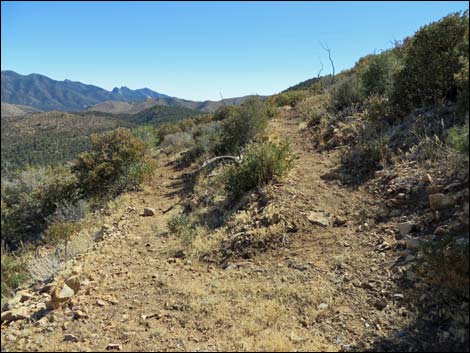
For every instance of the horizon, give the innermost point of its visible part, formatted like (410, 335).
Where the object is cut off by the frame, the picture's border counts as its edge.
(198, 51)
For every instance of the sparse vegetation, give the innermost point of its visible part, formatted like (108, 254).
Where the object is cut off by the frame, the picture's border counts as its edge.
(14, 273)
(242, 127)
(115, 163)
(457, 138)
(31, 197)
(346, 93)
(262, 163)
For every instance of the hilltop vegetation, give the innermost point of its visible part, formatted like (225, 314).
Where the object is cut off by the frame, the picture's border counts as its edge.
(50, 137)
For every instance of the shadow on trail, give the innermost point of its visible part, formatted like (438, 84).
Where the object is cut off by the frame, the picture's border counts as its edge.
(440, 323)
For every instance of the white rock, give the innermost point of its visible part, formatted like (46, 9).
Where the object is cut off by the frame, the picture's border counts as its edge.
(318, 218)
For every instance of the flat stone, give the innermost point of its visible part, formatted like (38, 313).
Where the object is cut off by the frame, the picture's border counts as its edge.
(66, 292)
(318, 218)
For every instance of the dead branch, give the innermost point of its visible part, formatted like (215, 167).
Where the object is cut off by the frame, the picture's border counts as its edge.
(321, 69)
(325, 47)
(215, 159)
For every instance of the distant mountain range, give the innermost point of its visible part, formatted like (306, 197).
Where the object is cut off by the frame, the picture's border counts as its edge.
(41, 92)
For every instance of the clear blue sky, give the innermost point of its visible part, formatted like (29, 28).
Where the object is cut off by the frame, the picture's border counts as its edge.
(195, 50)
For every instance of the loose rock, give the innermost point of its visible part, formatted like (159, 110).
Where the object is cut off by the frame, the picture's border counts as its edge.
(149, 212)
(318, 218)
(71, 338)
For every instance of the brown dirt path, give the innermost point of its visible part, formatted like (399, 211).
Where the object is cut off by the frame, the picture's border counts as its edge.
(328, 288)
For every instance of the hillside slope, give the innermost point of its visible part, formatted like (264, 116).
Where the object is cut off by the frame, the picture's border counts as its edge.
(16, 110)
(328, 288)
(50, 137)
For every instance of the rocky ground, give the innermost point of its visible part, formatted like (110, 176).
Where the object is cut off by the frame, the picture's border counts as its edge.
(308, 264)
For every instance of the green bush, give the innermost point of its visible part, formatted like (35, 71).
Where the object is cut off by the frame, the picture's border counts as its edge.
(376, 108)
(223, 112)
(30, 198)
(313, 108)
(289, 98)
(242, 126)
(148, 134)
(179, 224)
(115, 163)
(377, 77)
(14, 273)
(166, 129)
(363, 158)
(432, 58)
(462, 79)
(60, 232)
(261, 163)
(457, 138)
(346, 93)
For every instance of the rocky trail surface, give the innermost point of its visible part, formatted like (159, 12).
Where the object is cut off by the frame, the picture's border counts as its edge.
(334, 284)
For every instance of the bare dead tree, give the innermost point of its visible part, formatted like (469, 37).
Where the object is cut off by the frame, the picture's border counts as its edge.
(321, 69)
(326, 48)
(222, 99)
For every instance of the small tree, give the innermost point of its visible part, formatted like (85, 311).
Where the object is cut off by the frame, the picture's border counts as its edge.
(432, 58)
(115, 163)
(242, 126)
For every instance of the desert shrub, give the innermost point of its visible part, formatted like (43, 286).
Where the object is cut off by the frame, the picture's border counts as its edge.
(365, 157)
(376, 108)
(431, 61)
(223, 112)
(31, 197)
(446, 263)
(207, 138)
(69, 211)
(457, 138)
(115, 163)
(271, 110)
(462, 80)
(178, 223)
(377, 77)
(312, 108)
(345, 93)
(60, 232)
(177, 142)
(166, 129)
(261, 163)
(14, 273)
(242, 126)
(289, 98)
(203, 119)
(147, 134)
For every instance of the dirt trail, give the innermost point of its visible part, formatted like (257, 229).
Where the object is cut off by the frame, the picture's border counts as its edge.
(328, 289)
